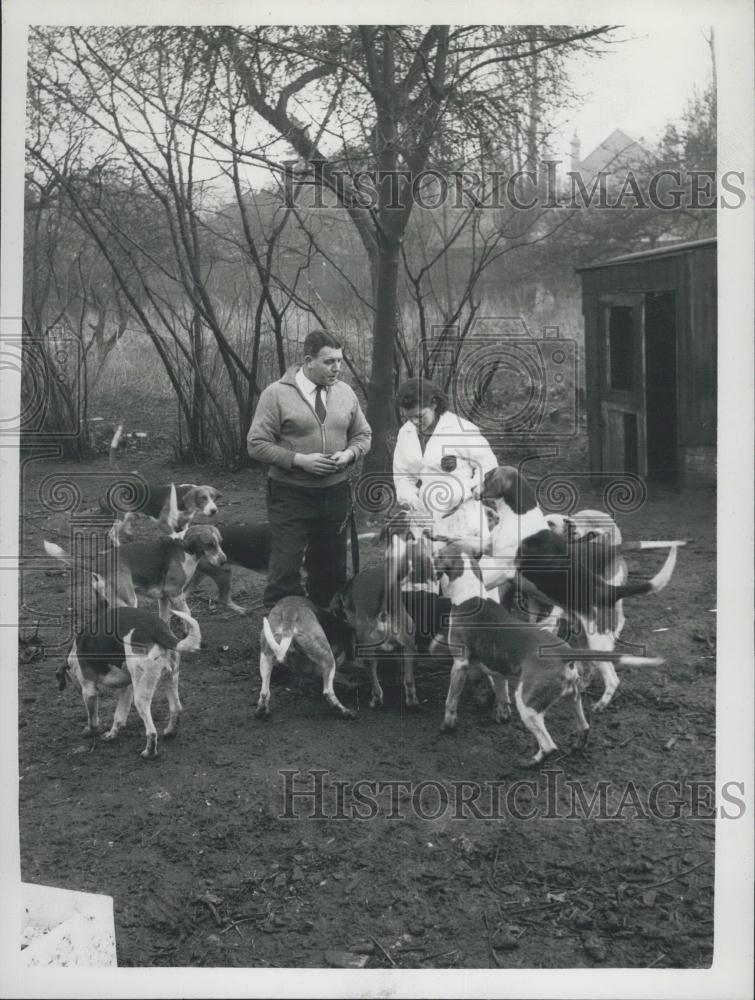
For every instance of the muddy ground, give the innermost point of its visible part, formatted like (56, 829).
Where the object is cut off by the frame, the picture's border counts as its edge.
(206, 868)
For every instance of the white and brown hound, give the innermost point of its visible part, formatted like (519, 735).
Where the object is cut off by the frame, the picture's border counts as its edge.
(172, 506)
(585, 580)
(484, 636)
(130, 650)
(162, 568)
(295, 621)
(373, 604)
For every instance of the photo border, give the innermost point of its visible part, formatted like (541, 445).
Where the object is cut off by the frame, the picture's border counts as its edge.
(730, 975)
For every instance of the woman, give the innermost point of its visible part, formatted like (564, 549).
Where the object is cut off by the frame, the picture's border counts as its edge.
(439, 460)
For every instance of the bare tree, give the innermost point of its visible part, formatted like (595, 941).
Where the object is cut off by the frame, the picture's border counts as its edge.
(409, 92)
(366, 111)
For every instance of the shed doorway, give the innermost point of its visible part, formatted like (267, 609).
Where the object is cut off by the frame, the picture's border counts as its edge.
(660, 385)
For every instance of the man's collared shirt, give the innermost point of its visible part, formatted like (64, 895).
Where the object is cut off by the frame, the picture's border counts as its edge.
(309, 389)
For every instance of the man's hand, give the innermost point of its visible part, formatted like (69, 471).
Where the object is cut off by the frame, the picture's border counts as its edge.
(342, 458)
(316, 464)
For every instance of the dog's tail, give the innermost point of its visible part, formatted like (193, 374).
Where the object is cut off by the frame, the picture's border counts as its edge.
(172, 515)
(279, 648)
(193, 638)
(638, 661)
(593, 655)
(61, 675)
(122, 530)
(653, 586)
(57, 553)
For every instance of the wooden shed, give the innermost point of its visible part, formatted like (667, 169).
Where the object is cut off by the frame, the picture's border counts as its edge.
(650, 362)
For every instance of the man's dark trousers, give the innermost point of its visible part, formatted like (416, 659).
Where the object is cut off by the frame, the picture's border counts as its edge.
(312, 524)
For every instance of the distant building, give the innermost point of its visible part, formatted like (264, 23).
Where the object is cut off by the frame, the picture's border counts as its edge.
(617, 153)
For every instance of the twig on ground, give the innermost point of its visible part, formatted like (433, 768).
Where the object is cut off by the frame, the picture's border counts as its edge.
(687, 871)
(535, 906)
(382, 949)
(491, 956)
(234, 923)
(440, 954)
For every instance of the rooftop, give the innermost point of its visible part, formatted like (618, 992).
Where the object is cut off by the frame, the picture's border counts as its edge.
(663, 251)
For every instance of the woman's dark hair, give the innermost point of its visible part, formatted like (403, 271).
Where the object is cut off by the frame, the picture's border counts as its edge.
(421, 392)
(317, 339)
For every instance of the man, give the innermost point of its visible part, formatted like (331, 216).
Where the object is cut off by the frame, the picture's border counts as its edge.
(309, 428)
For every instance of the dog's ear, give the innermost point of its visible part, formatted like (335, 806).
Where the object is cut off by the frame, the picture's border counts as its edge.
(440, 562)
(191, 539)
(491, 484)
(515, 490)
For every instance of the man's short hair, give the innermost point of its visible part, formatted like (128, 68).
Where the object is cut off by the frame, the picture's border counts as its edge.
(316, 340)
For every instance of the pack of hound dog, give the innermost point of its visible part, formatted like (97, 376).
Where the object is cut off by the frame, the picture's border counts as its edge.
(544, 599)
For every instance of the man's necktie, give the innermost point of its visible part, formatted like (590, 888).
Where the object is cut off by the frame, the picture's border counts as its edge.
(320, 403)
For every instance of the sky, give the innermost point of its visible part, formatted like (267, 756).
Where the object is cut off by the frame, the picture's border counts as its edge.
(639, 84)
(642, 83)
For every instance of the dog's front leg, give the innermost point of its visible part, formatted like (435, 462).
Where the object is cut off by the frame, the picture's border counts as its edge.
(535, 722)
(603, 641)
(502, 705)
(92, 705)
(459, 672)
(222, 577)
(266, 669)
(122, 708)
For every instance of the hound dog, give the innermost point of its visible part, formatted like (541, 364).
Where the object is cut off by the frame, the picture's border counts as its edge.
(485, 637)
(427, 609)
(245, 545)
(130, 650)
(172, 506)
(162, 568)
(591, 536)
(572, 577)
(295, 621)
(373, 605)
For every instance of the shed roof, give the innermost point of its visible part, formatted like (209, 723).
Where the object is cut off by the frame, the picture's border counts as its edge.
(664, 251)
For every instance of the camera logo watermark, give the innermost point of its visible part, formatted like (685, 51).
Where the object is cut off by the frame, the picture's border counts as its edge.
(50, 400)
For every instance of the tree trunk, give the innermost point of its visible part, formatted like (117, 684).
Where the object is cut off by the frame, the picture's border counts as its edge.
(198, 419)
(381, 405)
